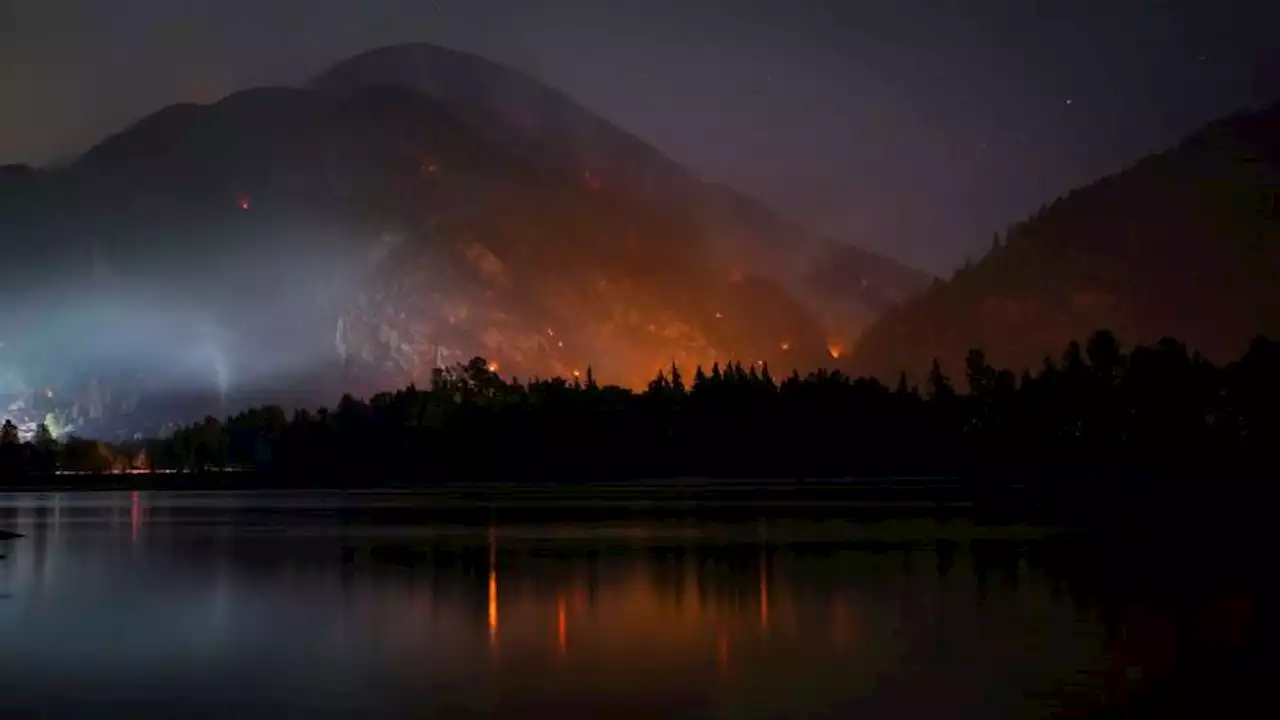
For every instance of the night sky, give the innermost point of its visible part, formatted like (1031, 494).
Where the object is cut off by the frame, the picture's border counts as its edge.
(912, 127)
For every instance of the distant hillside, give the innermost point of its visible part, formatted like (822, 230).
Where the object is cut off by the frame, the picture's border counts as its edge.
(1185, 243)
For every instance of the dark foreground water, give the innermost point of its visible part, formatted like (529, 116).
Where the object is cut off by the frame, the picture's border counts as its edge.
(187, 605)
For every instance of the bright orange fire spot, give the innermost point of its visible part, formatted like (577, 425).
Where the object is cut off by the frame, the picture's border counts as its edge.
(835, 351)
(785, 345)
(493, 367)
(577, 374)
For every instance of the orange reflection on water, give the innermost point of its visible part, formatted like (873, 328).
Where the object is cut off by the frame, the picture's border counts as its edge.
(493, 606)
(135, 514)
(562, 630)
(493, 589)
(764, 593)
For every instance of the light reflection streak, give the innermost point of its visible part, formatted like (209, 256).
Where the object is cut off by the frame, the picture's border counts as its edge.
(562, 630)
(493, 589)
(764, 595)
(135, 514)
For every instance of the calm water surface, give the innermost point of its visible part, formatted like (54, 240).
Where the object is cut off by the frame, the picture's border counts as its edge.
(137, 604)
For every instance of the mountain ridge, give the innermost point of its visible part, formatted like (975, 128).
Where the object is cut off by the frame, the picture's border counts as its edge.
(366, 236)
(1181, 243)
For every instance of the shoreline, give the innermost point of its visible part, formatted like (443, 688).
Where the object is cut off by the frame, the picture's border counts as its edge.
(1156, 506)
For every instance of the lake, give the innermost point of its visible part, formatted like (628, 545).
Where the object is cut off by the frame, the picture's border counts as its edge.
(382, 604)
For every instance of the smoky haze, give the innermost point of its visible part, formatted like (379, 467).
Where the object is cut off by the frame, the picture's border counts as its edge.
(222, 316)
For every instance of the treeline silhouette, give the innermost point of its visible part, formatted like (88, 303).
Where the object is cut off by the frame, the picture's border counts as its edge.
(1096, 408)
(1150, 408)
(43, 455)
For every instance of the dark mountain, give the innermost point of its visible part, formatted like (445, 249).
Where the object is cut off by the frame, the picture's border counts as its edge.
(409, 208)
(1185, 243)
(520, 113)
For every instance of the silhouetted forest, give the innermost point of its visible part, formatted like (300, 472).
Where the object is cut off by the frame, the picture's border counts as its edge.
(1095, 407)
